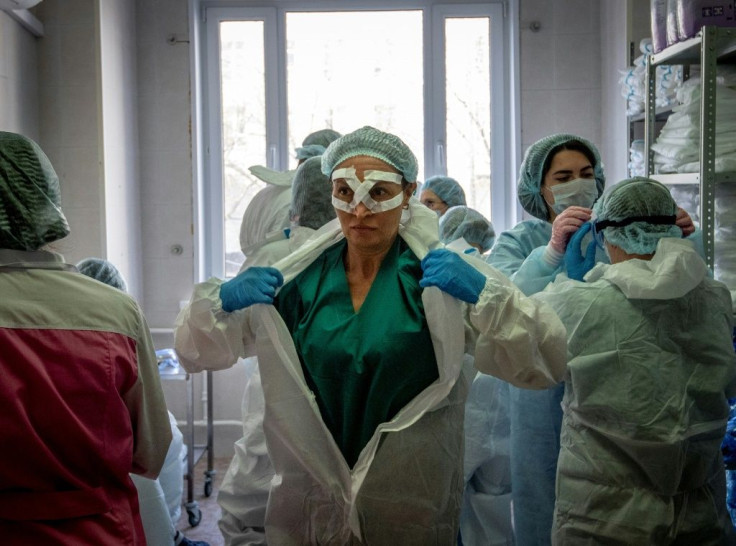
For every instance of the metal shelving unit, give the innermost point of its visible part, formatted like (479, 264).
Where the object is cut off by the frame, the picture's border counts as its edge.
(712, 45)
(195, 451)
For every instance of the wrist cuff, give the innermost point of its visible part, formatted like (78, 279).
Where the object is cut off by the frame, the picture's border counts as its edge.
(551, 257)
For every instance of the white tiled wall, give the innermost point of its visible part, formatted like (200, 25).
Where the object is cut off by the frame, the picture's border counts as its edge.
(70, 129)
(18, 79)
(560, 69)
(164, 113)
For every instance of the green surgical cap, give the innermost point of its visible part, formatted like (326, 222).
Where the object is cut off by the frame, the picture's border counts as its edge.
(30, 197)
(636, 197)
(529, 186)
(311, 195)
(103, 271)
(316, 143)
(374, 143)
(446, 188)
(471, 225)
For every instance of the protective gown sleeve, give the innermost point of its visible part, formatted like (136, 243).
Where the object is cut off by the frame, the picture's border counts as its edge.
(208, 338)
(514, 337)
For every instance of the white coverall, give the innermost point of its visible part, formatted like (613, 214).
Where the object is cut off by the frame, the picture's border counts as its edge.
(406, 485)
(645, 407)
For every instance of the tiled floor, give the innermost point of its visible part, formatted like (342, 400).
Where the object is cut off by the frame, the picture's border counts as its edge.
(207, 529)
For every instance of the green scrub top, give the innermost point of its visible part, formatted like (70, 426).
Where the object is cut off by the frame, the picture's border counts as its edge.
(362, 367)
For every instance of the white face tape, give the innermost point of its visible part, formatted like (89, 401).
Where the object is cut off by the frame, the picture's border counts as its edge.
(361, 190)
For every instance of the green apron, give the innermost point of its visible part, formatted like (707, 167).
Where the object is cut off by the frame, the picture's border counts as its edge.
(362, 367)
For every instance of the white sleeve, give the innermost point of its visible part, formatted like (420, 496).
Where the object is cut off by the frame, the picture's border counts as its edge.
(516, 338)
(208, 338)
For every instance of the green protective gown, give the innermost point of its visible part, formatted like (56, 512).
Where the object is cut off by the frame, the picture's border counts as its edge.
(362, 367)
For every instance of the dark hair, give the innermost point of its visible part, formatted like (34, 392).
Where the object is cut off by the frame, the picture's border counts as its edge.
(572, 145)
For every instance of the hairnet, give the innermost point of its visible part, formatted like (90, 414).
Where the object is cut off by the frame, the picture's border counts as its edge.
(316, 143)
(374, 143)
(30, 197)
(471, 225)
(531, 173)
(266, 212)
(103, 271)
(311, 195)
(446, 188)
(631, 198)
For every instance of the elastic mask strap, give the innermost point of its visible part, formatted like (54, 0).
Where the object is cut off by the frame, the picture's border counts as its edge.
(656, 220)
(361, 190)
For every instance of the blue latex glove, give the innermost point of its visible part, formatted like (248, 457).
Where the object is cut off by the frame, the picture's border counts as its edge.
(576, 264)
(450, 273)
(254, 285)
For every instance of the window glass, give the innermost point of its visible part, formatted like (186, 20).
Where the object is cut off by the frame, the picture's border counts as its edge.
(350, 69)
(243, 91)
(468, 97)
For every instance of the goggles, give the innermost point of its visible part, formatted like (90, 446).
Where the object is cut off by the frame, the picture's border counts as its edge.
(363, 192)
(600, 225)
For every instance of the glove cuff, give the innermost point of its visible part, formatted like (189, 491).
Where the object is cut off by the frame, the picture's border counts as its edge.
(552, 257)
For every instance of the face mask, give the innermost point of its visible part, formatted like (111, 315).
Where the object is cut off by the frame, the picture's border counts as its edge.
(362, 190)
(581, 192)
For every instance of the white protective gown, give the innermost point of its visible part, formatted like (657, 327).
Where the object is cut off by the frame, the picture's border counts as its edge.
(243, 494)
(485, 518)
(645, 407)
(406, 486)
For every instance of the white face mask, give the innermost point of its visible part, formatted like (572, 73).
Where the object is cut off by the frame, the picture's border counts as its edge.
(362, 190)
(581, 192)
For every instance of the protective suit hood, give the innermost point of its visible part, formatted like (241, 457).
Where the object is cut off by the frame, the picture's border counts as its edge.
(674, 270)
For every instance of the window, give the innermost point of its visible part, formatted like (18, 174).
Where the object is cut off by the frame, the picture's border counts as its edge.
(434, 74)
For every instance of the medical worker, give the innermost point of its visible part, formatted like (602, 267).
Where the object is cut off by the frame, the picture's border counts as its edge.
(361, 357)
(160, 498)
(651, 368)
(485, 519)
(244, 491)
(312, 146)
(439, 193)
(80, 396)
(559, 180)
(315, 144)
(466, 230)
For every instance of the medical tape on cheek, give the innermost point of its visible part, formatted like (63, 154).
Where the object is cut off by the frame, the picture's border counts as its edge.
(361, 190)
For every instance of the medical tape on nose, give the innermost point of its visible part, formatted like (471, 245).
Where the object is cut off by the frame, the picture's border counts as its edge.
(361, 190)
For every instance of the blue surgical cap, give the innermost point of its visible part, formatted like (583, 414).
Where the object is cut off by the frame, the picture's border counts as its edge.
(30, 197)
(446, 188)
(311, 195)
(471, 225)
(632, 198)
(531, 173)
(316, 143)
(374, 143)
(103, 271)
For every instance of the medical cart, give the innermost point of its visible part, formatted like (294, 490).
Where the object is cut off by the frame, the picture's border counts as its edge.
(170, 370)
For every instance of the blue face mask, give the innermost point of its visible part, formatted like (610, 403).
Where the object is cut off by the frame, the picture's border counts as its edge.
(581, 192)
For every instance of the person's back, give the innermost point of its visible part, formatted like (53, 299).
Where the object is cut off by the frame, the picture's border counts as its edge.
(80, 398)
(67, 408)
(645, 404)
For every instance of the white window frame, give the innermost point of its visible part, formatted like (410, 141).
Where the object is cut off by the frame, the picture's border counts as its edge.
(206, 125)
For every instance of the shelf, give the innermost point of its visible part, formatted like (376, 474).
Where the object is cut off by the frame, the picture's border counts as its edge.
(660, 114)
(676, 179)
(691, 178)
(688, 51)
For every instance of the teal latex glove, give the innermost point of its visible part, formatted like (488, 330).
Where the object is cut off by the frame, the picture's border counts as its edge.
(254, 285)
(576, 264)
(450, 273)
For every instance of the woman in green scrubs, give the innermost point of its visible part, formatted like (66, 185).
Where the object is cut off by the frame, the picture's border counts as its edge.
(361, 356)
